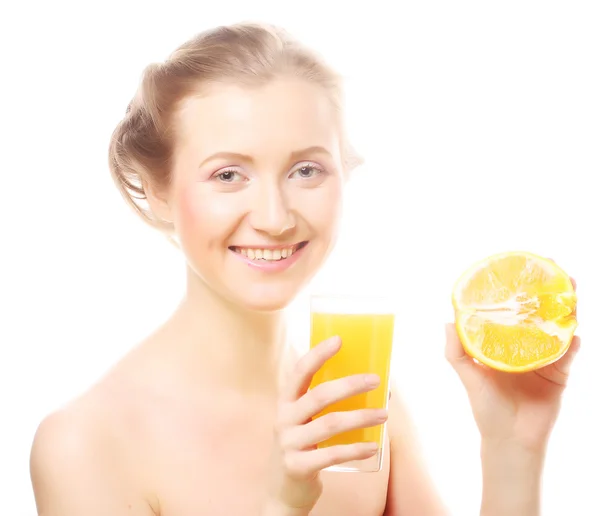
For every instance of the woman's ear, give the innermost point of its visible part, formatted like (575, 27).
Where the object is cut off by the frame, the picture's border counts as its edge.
(158, 201)
(351, 161)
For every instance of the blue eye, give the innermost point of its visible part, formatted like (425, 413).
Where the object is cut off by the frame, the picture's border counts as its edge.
(307, 171)
(229, 176)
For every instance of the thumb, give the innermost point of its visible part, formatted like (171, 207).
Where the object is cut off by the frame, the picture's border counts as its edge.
(468, 371)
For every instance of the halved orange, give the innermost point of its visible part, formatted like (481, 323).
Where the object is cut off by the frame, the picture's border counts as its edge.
(515, 311)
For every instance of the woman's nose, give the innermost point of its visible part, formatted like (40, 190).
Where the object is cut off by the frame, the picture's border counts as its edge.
(271, 213)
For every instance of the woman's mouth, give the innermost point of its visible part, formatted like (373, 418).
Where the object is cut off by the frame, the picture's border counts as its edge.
(269, 254)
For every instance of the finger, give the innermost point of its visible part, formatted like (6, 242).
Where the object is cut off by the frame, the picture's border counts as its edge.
(305, 464)
(563, 365)
(329, 425)
(455, 352)
(468, 371)
(323, 395)
(307, 366)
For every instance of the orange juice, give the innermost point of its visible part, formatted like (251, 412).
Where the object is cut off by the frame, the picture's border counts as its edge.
(366, 348)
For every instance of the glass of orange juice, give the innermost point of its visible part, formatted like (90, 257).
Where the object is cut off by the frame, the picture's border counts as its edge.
(366, 328)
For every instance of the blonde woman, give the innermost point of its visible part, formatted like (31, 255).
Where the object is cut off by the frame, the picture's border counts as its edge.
(235, 148)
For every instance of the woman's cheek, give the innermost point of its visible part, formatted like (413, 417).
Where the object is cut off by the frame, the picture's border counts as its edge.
(190, 209)
(208, 214)
(323, 214)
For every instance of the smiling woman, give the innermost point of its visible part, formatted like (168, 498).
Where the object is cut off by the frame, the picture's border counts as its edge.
(235, 148)
(269, 193)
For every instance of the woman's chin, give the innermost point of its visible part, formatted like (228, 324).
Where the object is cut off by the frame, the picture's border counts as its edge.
(271, 299)
(267, 304)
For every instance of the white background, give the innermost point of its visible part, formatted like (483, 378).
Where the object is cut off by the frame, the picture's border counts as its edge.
(479, 122)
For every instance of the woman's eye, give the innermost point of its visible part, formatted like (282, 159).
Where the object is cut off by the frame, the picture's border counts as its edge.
(229, 176)
(307, 171)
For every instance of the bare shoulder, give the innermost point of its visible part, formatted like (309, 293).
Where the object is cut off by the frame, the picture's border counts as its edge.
(80, 462)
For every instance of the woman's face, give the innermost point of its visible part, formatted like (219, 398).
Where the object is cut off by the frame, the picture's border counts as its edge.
(257, 189)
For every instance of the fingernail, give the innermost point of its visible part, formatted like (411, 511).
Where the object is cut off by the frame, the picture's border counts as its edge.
(372, 447)
(381, 414)
(372, 380)
(335, 342)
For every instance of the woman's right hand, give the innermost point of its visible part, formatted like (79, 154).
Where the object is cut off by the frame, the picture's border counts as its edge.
(297, 484)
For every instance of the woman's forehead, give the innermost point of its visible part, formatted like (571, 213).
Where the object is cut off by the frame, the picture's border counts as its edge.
(293, 114)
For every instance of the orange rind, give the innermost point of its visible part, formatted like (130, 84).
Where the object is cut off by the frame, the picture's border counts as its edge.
(515, 311)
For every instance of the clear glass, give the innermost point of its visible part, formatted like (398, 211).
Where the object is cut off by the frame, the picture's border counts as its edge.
(366, 327)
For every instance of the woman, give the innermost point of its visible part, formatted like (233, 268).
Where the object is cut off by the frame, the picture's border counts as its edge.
(235, 147)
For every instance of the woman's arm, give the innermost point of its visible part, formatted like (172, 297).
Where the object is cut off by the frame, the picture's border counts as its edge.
(410, 490)
(511, 479)
(515, 414)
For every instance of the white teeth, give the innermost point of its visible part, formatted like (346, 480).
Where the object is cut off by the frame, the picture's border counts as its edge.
(266, 254)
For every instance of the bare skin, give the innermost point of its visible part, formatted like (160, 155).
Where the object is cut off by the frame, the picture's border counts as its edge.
(211, 414)
(190, 422)
(154, 438)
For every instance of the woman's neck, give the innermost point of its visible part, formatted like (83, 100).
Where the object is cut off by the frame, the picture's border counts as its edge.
(234, 346)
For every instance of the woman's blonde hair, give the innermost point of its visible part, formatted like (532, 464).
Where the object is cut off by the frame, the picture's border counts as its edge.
(248, 54)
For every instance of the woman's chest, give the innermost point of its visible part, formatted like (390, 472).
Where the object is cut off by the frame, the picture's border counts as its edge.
(227, 484)
(224, 466)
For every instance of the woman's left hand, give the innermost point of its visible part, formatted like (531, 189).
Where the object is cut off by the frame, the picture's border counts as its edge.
(516, 408)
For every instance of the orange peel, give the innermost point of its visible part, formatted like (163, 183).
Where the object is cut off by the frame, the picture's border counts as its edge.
(515, 311)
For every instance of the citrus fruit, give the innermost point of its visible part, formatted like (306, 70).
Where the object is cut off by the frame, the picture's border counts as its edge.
(515, 311)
